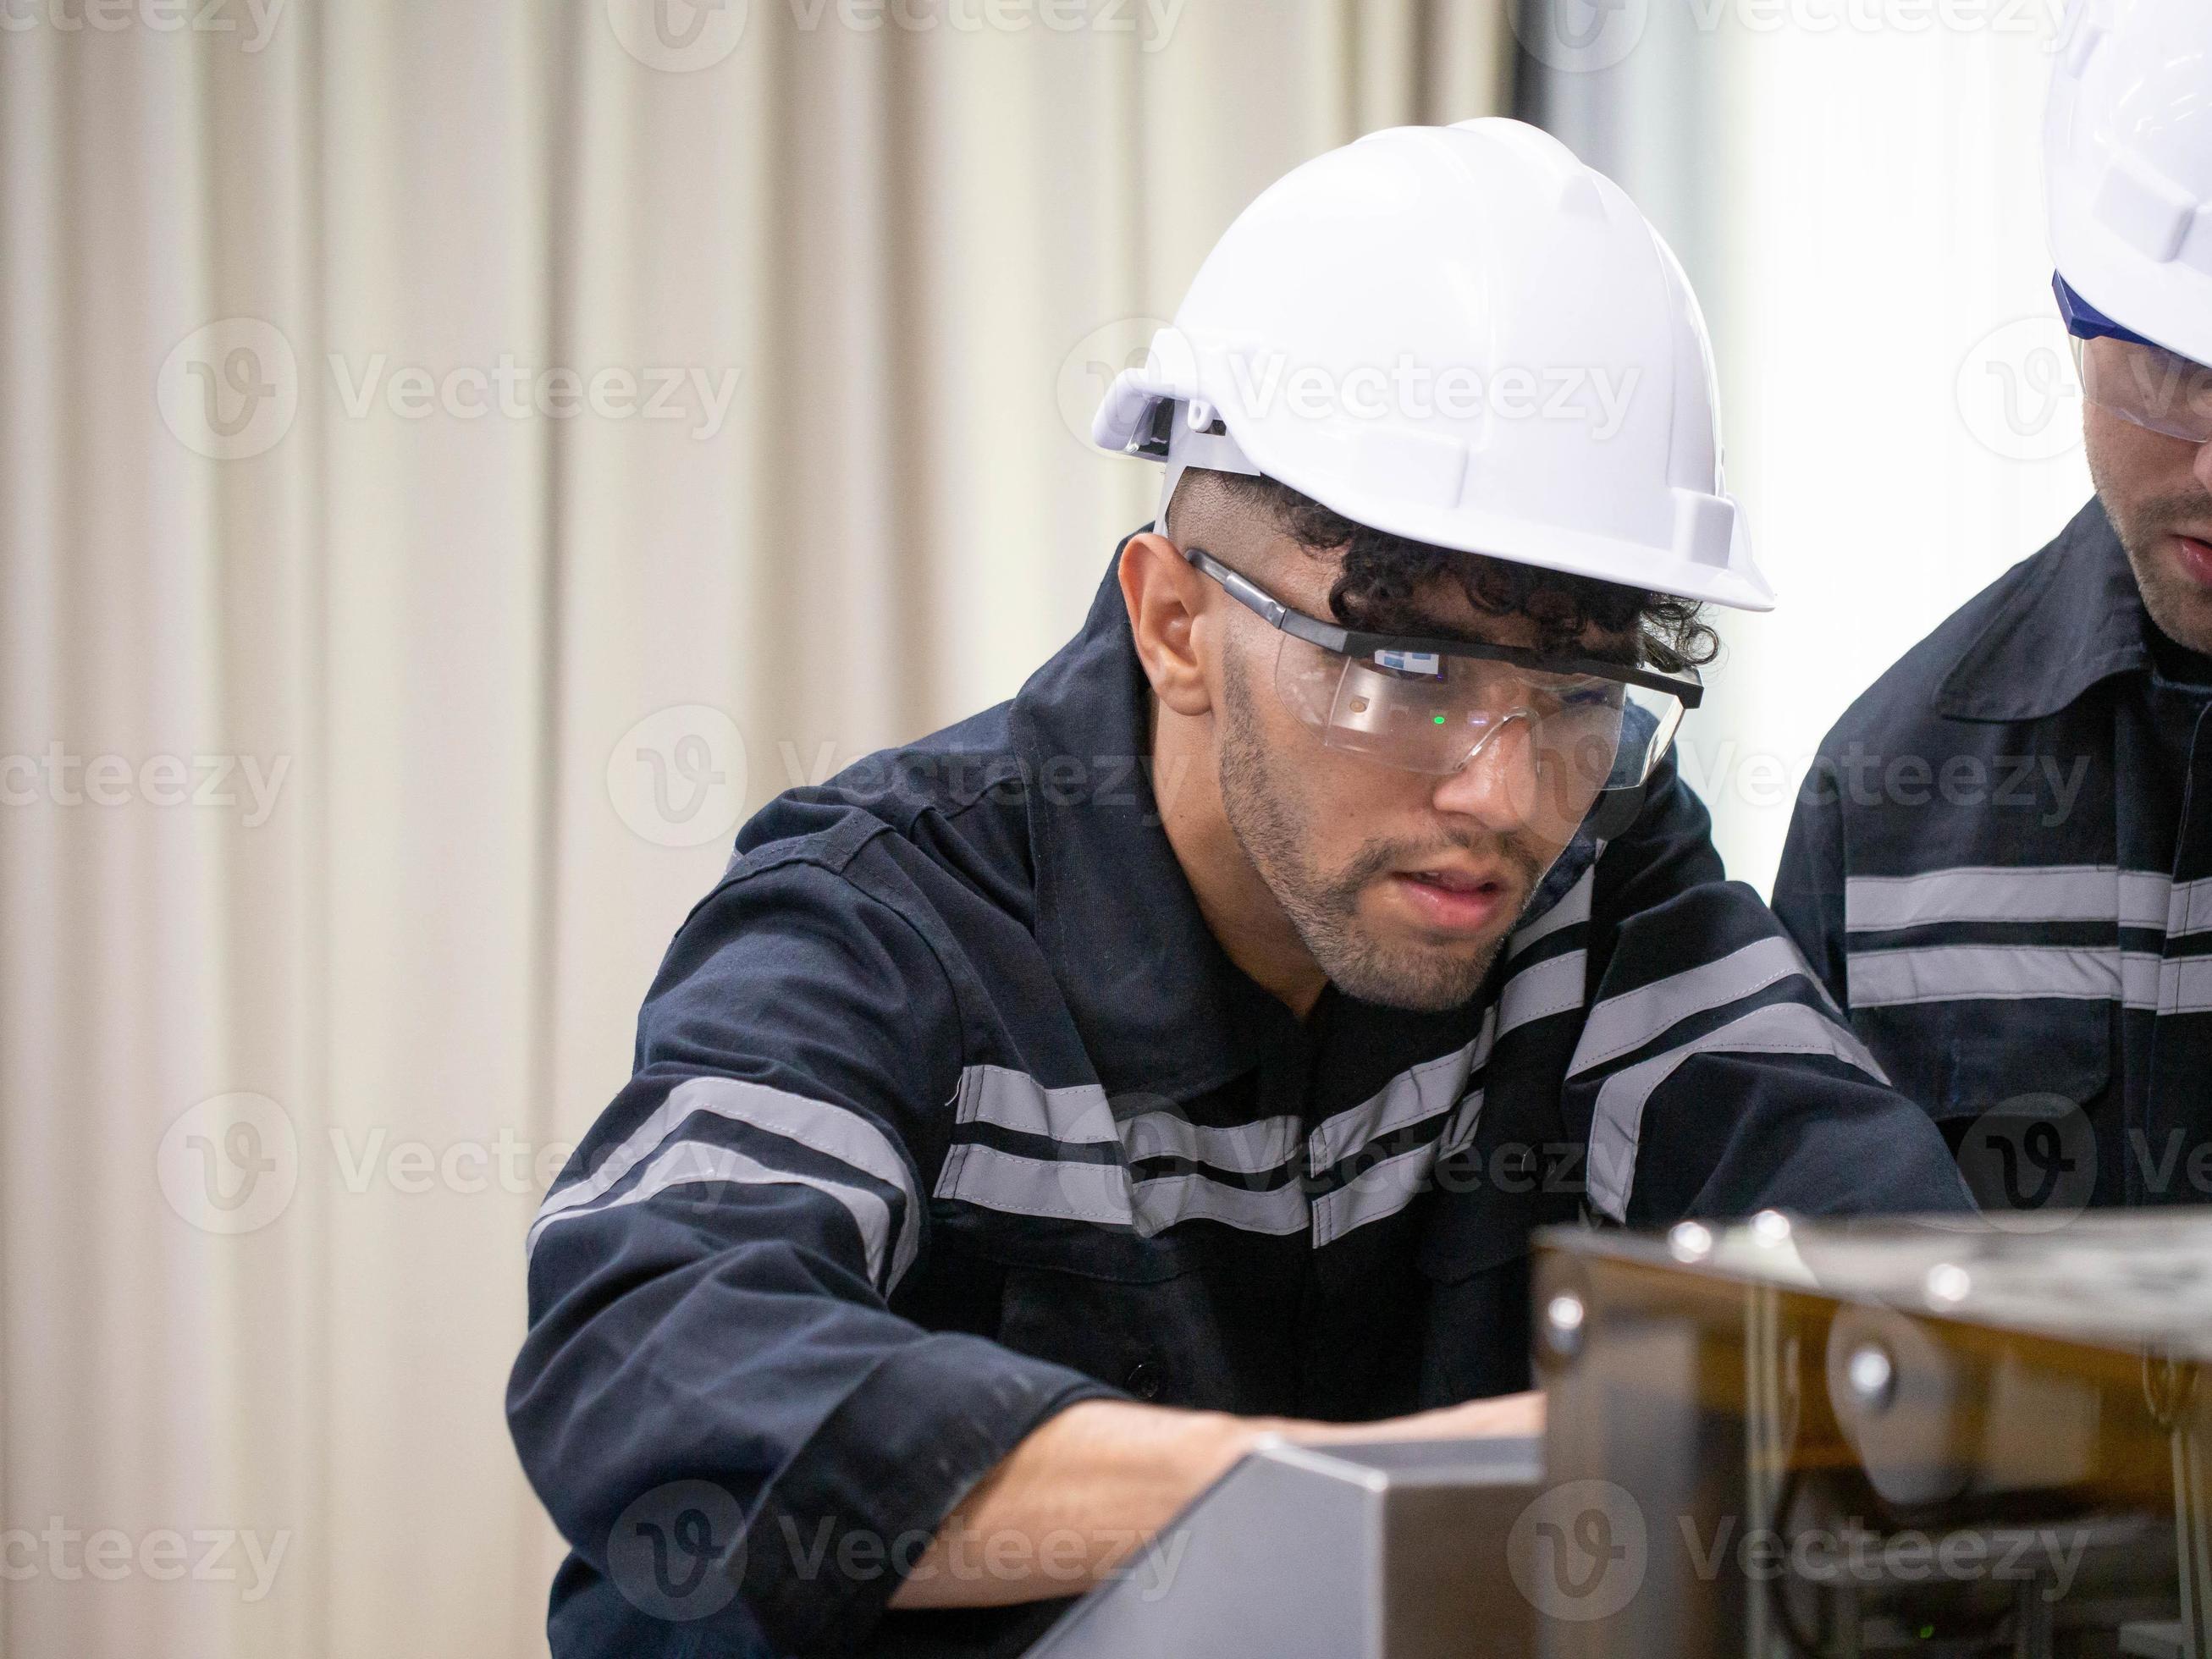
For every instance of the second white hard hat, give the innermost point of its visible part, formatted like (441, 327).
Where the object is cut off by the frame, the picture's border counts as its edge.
(1463, 336)
(2128, 166)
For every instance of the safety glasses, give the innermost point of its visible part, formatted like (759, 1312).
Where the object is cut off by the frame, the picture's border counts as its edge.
(2148, 385)
(1432, 706)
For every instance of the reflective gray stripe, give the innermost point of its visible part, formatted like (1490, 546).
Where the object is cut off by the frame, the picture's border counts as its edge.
(833, 1131)
(1252, 1148)
(1162, 1203)
(1412, 1097)
(1382, 1191)
(1959, 973)
(2059, 892)
(2144, 899)
(1248, 1149)
(1459, 1134)
(2188, 908)
(1620, 1024)
(686, 1161)
(1059, 1187)
(1542, 989)
(2184, 985)
(1077, 1115)
(1780, 1028)
(1574, 906)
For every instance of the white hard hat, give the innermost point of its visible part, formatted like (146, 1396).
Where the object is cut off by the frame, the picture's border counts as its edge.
(2127, 167)
(1463, 336)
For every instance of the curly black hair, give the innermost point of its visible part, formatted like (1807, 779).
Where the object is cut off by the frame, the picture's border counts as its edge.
(1383, 574)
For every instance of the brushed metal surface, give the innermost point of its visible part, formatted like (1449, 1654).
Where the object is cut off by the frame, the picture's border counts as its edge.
(1386, 1552)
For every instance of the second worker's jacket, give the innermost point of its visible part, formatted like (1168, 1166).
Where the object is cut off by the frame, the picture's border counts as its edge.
(2001, 868)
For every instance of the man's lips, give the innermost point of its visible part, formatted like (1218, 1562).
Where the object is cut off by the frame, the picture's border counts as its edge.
(1455, 901)
(2195, 556)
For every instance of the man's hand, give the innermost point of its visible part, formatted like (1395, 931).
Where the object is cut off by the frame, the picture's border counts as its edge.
(1092, 1484)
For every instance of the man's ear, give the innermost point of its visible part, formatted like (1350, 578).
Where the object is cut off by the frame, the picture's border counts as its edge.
(1163, 593)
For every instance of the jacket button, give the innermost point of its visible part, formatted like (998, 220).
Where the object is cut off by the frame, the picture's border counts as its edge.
(1144, 1380)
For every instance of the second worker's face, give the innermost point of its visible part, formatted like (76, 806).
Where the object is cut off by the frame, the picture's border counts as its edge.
(2158, 492)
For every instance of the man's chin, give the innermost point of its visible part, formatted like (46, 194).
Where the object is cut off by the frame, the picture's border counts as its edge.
(1427, 979)
(2179, 604)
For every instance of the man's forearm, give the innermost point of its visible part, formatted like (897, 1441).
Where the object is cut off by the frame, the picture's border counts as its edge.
(1094, 1483)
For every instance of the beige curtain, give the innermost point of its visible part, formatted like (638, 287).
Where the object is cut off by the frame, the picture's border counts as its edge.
(454, 459)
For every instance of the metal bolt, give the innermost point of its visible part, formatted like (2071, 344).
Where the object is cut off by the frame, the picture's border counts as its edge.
(1564, 1316)
(1948, 1282)
(1690, 1240)
(1872, 1377)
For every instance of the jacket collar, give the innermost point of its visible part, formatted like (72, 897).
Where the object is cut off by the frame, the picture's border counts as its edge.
(1159, 1005)
(2077, 618)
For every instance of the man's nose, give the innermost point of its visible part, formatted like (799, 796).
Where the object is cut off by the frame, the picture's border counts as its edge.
(2203, 464)
(1501, 786)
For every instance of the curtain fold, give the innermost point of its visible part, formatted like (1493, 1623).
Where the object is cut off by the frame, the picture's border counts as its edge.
(454, 461)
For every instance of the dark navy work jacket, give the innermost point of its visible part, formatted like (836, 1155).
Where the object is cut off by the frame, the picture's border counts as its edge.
(2001, 868)
(949, 1111)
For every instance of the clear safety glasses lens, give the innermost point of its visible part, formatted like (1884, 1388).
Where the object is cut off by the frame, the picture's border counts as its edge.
(1566, 736)
(2148, 385)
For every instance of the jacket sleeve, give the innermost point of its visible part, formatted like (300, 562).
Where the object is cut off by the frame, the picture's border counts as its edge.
(1809, 889)
(1713, 1074)
(713, 1376)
